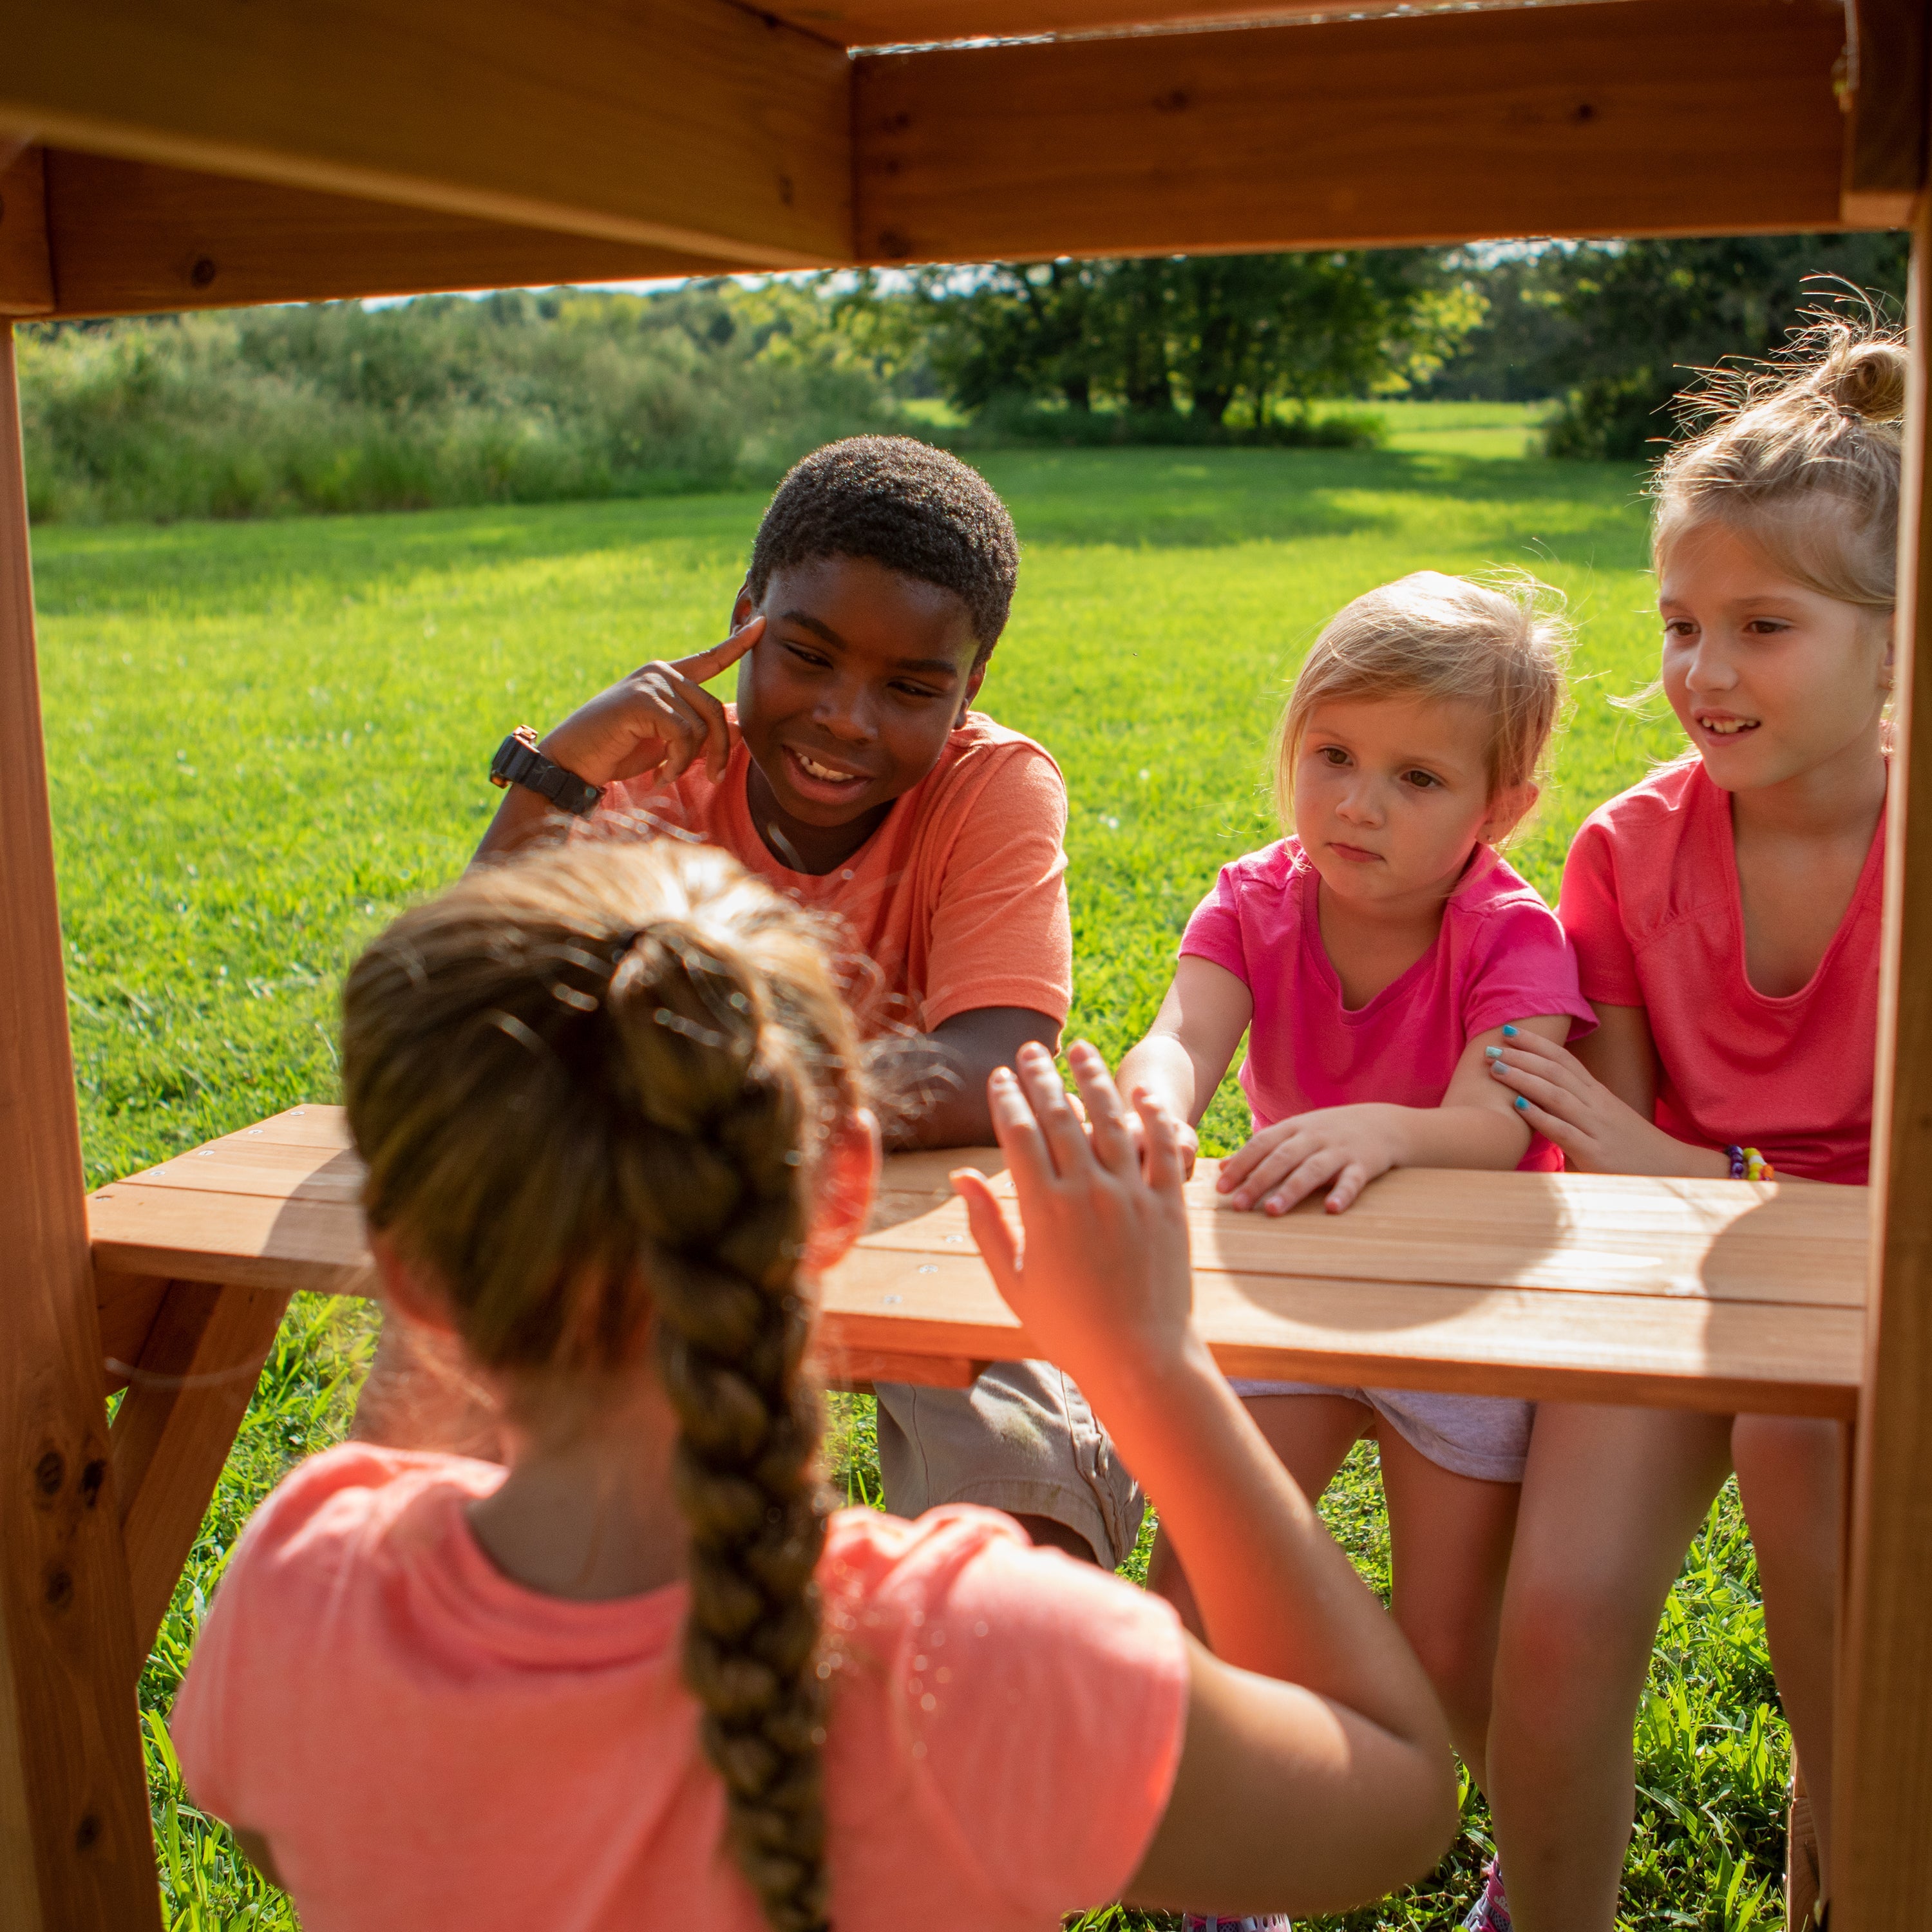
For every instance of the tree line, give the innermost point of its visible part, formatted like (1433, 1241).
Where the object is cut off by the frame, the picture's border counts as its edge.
(528, 396)
(1610, 332)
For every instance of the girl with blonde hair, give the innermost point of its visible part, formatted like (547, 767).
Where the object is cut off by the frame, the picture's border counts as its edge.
(615, 1126)
(1725, 915)
(1373, 957)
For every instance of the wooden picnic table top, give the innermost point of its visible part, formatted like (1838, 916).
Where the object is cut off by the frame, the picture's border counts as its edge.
(1714, 1294)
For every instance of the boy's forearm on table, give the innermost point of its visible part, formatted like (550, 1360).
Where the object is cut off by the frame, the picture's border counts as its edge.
(1275, 1594)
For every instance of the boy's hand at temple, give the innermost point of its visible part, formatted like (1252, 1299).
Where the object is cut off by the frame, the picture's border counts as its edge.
(660, 719)
(1276, 1778)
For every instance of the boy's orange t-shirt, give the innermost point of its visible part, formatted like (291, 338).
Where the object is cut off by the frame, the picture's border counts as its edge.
(958, 901)
(424, 1742)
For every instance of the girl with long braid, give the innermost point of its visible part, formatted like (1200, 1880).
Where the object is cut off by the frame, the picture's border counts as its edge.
(614, 1123)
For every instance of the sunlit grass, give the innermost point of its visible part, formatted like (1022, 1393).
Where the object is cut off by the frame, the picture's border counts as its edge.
(266, 739)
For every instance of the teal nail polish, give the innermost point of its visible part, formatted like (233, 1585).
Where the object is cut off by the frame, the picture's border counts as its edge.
(1492, 1053)
(1522, 1106)
(1509, 1033)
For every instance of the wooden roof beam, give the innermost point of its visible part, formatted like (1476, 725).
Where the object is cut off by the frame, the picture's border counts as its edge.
(129, 238)
(883, 23)
(1629, 117)
(1885, 95)
(691, 125)
(26, 267)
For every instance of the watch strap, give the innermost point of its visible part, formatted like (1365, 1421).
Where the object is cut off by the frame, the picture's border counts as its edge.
(518, 762)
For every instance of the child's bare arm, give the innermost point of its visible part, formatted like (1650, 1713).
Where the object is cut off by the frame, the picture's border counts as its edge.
(1344, 1148)
(1188, 1048)
(943, 1074)
(1316, 1770)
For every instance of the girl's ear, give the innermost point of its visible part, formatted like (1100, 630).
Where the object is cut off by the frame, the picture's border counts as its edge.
(1507, 810)
(847, 1184)
(417, 1300)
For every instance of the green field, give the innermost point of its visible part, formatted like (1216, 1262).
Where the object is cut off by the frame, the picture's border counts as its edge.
(266, 738)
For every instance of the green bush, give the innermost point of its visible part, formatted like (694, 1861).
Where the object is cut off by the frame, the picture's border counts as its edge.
(513, 398)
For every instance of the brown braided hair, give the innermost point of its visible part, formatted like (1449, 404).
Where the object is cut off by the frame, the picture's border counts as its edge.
(591, 1087)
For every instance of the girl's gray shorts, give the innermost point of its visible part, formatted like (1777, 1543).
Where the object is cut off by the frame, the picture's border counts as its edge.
(1484, 1436)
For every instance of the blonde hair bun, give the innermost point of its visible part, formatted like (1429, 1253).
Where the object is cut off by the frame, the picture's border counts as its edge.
(1866, 379)
(1800, 454)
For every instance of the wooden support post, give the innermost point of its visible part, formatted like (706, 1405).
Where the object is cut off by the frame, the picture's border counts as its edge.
(1882, 1825)
(176, 1425)
(75, 1849)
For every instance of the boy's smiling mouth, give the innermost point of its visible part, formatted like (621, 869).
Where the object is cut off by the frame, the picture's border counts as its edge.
(817, 779)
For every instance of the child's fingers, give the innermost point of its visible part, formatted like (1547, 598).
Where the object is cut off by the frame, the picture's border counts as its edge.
(1550, 1094)
(703, 666)
(1017, 1132)
(1279, 1161)
(991, 1235)
(1106, 1118)
(1552, 1126)
(1165, 1161)
(1317, 1171)
(1348, 1187)
(1064, 1134)
(1520, 1039)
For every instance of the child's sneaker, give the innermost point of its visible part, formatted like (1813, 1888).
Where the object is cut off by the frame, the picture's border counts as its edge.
(1267, 1922)
(1490, 1912)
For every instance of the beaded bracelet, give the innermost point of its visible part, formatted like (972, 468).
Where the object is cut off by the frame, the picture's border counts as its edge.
(1747, 1164)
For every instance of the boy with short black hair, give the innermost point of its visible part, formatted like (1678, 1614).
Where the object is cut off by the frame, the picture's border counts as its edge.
(852, 775)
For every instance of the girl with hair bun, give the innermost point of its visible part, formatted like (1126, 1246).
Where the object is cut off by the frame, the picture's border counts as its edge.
(611, 1107)
(1726, 916)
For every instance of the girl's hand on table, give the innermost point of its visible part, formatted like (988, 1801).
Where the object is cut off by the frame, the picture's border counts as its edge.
(1101, 1263)
(1340, 1148)
(1599, 1133)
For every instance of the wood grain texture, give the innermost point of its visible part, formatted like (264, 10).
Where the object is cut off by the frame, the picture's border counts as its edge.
(76, 1852)
(878, 23)
(1886, 55)
(26, 268)
(1883, 1748)
(1713, 1295)
(130, 237)
(1444, 128)
(176, 1426)
(688, 124)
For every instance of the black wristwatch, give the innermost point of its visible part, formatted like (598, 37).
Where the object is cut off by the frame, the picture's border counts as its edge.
(519, 762)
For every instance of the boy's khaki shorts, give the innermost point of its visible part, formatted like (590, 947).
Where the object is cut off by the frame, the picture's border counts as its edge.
(1021, 1439)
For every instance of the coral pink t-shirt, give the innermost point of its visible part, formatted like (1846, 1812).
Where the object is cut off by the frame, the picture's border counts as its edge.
(1650, 901)
(958, 901)
(1500, 956)
(424, 1742)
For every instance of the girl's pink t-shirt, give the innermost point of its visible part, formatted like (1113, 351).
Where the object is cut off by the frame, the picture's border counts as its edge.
(1500, 957)
(424, 1742)
(1650, 901)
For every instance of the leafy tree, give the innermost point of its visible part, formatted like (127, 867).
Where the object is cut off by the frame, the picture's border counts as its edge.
(1647, 316)
(1223, 332)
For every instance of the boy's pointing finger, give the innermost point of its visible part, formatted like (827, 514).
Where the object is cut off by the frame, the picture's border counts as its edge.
(703, 666)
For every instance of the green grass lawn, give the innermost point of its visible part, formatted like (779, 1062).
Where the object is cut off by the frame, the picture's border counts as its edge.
(265, 739)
